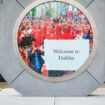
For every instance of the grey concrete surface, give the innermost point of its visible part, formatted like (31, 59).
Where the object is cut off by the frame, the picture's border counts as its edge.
(11, 97)
(97, 11)
(25, 3)
(51, 101)
(9, 66)
(80, 86)
(85, 3)
(80, 101)
(0, 21)
(26, 101)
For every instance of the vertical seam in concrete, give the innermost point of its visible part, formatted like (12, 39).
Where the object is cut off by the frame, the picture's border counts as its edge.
(89, 3)
(17, 76)
(20, 4)
(54, 100)
(93, 77)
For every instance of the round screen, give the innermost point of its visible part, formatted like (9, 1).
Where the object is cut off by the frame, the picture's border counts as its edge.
(55, 40)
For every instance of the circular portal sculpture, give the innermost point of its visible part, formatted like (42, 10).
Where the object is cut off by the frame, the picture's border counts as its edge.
(55, 49)
(56, 40)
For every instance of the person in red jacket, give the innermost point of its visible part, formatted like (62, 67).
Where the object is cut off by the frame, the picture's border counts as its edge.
(64, 35)
(71, 35)
(38, 36)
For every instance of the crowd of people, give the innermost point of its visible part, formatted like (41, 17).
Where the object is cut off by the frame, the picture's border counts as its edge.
(32, 33)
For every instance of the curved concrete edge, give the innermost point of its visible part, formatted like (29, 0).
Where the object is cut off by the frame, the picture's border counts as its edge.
(97, 11)
(75, 87)
(25, 3)
(85, 3)
(9, 67)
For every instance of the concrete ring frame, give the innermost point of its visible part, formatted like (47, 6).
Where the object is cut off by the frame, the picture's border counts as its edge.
(63, 78)
(25, 82)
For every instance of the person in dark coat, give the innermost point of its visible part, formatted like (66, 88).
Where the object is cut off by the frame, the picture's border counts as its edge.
(35, 58)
